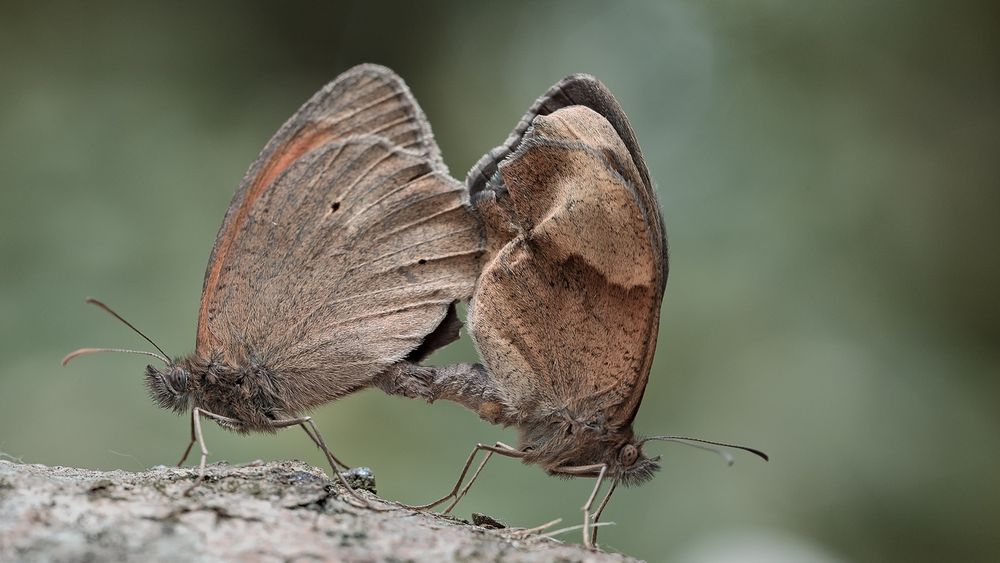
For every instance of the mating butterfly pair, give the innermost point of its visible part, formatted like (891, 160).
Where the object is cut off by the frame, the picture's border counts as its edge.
(347, 246)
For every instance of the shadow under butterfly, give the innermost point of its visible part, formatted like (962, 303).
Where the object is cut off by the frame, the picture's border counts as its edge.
(566, 311)
(338, 265)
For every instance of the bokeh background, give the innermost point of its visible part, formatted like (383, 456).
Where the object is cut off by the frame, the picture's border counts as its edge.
(828, 172)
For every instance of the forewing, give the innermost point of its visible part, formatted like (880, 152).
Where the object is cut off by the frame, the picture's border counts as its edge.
(574, 297)
(365, 100)
(344, 265)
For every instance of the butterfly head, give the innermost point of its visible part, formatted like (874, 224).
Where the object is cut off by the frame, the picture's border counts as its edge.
(631, 465)
(169, 386)
(579, 445)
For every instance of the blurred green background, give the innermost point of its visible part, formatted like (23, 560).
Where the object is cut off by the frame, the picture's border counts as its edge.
(829, 176)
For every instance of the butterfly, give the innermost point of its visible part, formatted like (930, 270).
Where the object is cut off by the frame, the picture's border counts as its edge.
(337, 267)
(566, 312)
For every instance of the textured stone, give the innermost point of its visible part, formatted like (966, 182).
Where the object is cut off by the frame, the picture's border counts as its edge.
(276, 511)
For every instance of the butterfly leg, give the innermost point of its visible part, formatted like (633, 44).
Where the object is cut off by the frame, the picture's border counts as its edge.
(197, 436)
(191, 443)
(318, 440)
(511, 452)
(588, 539)
(528, 532)
(313, 434)
(598, 470)
(307, 424)
(600, 509)
(196, 429)
(457, 492)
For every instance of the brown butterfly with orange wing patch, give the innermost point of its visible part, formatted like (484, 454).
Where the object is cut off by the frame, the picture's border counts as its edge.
(566, 311)
(338, 266)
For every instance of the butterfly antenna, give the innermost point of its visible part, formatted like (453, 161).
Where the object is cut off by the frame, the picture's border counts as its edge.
(706, 445)
(85, 351)
(93, 301)
(162, 356)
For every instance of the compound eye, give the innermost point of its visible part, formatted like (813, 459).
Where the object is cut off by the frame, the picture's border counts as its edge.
(628, 455)
(178, 380)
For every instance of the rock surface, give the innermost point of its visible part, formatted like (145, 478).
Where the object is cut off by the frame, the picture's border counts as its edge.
(277, 511)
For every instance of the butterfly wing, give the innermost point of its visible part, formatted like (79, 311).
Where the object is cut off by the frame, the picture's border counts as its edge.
(345, 246)
(367, 99)
(581, 90)
(573, 293)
